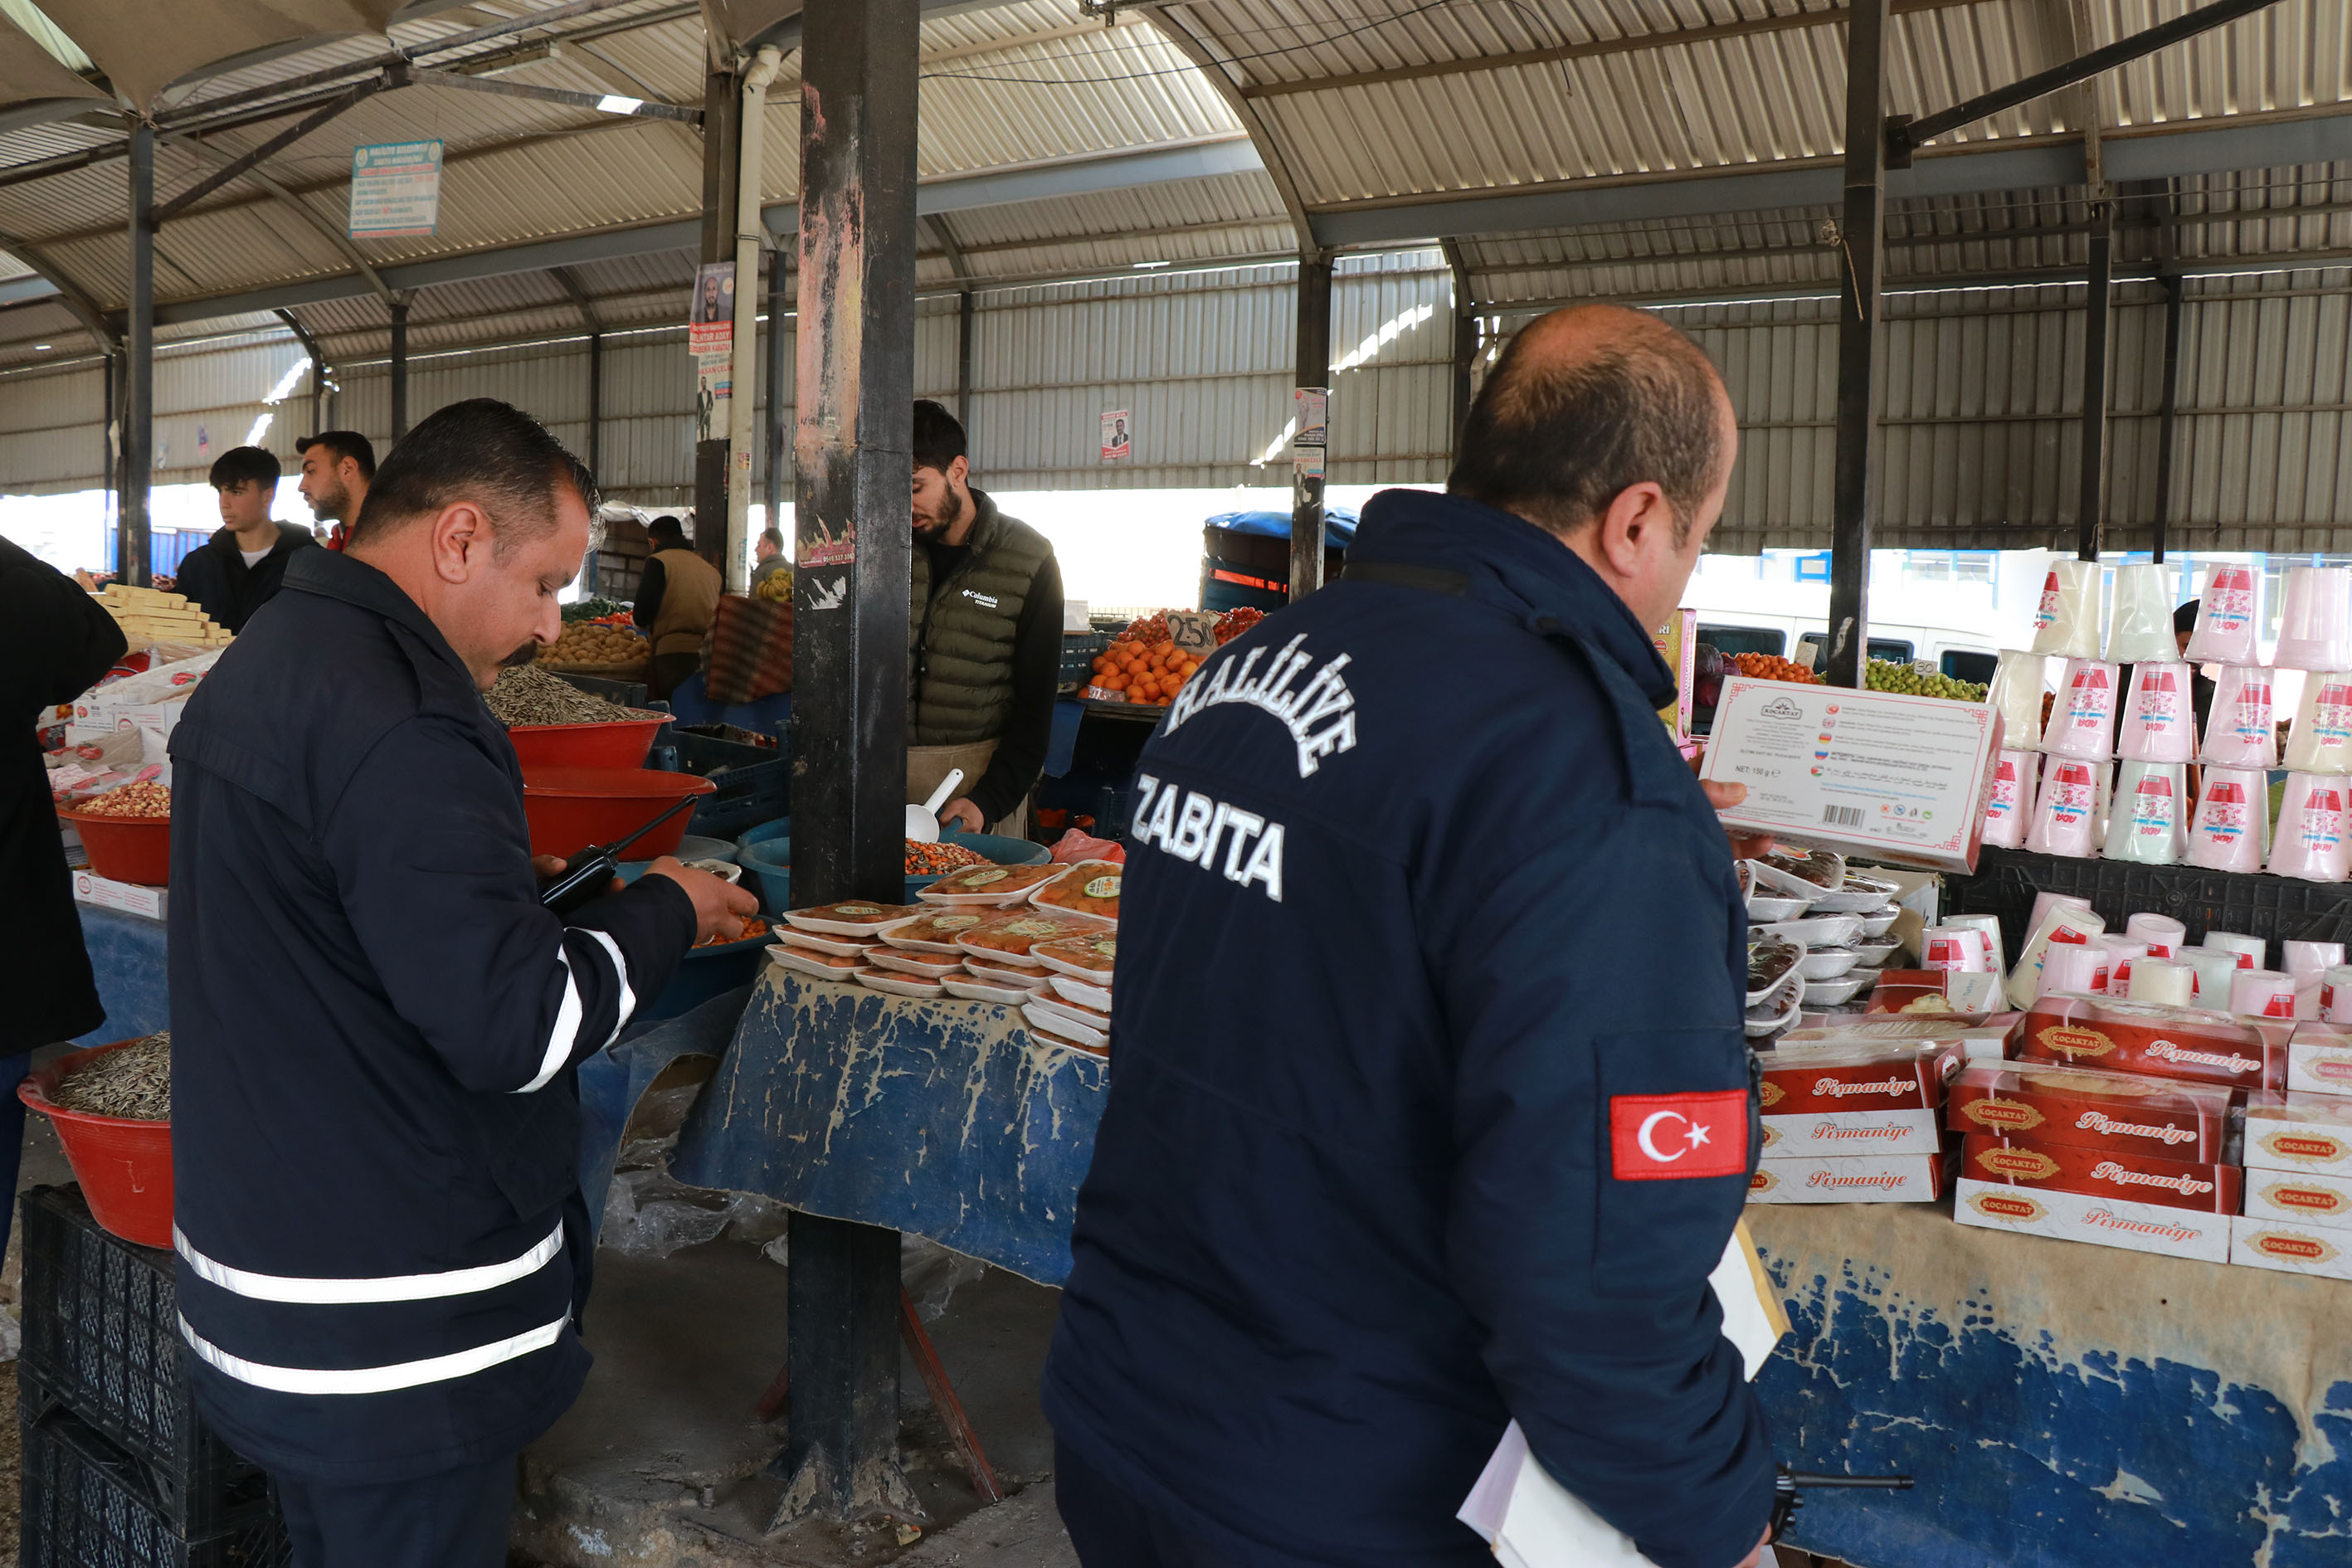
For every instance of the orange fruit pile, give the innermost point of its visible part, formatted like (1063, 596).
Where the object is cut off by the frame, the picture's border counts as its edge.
(1151, 672)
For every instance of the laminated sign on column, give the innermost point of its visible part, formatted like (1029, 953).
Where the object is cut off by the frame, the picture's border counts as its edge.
(1883, 773)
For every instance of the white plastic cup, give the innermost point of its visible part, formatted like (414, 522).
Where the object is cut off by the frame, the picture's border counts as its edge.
(2159, 720)
(2148, 822)
(2122, 954)
(2312, 959)
(2066, 812)
(2044, 902)
(2321, 739)
(2228, 616)
(1990, 926)
(2336, 994)
(2245, 951)
(2082, 723)
(2315, 619)
(2071, 970)
(2238, 729)
(2162, 933)
(2139, 619)
(2016, 696)
(2226, 834)
(1961, 948)
(2313, 843)
(2160, 982)
(2067, 620)
(2008, 809)
(2065, 927)
(2212, 970)
(2263, 993)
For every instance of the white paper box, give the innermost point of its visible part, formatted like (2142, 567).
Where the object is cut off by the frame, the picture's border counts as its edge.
(2300, 1199)
(1850, 1179)
(2316, 1250)
(2318, 1069)
(2278, 1138)
(128, 898)
(1881, 774)
(1847, 1133)
(2101, 1221)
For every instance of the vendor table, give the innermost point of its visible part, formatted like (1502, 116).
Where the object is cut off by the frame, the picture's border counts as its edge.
(127, 954)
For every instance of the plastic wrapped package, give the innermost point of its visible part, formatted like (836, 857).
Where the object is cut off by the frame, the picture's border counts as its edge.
(2229, 616)
(2139, 618)
(1009, 941)
(2065, 812)
(2009, 808)
(2061, 925)
(2091, 1109)
(2230, 824)
(2124, 953)
(2312, 844)
(2082, 722)
(2320, 742)
(2067, 621)
(2261, 993)
(1094, 956)
(2237, 729)
(2315, 619)
(2163, 1042)
(2159, 720)
(2207, 1186)
(2210, 973)
(935, 931)
(1087, 891)
(2149, 823)
(2161, 983)
(2161, 933)
(2016, 695)
(988, 886)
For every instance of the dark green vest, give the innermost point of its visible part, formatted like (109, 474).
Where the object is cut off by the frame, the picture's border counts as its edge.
(960, 632)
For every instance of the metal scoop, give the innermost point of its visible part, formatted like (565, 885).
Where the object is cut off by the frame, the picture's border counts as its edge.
(923, 821)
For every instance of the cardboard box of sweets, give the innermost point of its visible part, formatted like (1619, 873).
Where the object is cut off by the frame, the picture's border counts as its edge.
(2207, 1186)
(2294, 1132)
(2089, 1110)
(2083, 1216)
(2290, 1247)
(2319, 1058)
(1879, 1097)
(2163, 1042)
(1853, 1179)
(1989, 1038)
(2300, 1198)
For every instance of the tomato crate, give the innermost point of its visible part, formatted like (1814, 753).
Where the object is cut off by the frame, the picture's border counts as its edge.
(101, 1342)
(84, 1506)
(1078, 652)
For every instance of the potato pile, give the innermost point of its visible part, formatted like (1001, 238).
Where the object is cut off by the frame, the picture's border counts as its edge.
(586, 642)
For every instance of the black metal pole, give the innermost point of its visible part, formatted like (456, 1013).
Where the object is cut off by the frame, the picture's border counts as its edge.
(2091, 505)
(2168, 410)
(964, 314)
(130, 552)
(596, 405)
(722, 145)
(1310, 465)
(399, 367)
(854, 449)
(1862, 250)
(780, 387)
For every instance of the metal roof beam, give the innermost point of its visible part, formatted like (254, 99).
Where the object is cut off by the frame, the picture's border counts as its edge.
(244, 162)
(2309, 136)
(1261, 132)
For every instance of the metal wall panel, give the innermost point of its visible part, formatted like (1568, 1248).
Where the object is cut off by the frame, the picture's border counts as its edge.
(51, 431)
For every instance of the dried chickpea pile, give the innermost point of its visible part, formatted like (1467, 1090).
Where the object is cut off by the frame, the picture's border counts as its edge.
(936, 859)
(146, 798)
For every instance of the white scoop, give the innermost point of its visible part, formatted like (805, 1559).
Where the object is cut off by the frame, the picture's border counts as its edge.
(923, 821)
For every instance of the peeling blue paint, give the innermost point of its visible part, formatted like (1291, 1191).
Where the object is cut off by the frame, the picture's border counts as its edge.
(2028, 1459)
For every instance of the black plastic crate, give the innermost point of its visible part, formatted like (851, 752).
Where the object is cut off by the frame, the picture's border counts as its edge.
(754, 782)
(1078, 651)
(85, 1506)
(101, 1340)
(2276, 909)
(627, 693)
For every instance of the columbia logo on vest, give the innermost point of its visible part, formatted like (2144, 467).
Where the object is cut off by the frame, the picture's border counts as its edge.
(985, 600)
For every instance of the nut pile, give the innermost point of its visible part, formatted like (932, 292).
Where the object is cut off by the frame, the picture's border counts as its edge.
(528, 696)
(586, 642)
(134, 1082)
(145, 798)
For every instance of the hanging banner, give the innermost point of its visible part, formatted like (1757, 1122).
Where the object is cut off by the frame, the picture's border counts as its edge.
(396, 189)
(1118, 436)
(711, 338)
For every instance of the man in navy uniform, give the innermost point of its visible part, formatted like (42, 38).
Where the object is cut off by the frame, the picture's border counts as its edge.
(375, 1120)
(1429, 1105)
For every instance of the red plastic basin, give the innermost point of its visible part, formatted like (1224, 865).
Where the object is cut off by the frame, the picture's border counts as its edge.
(124, 1166)
(621, 743)
(126, 849)
(571, 808)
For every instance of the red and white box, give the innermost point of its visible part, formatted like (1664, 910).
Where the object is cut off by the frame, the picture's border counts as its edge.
(2163, 1042)
(2206, 1186)
(2083, 1216)
(2115, 1110)
(2319, 1059)
(1819, 1134)
(2304, 1132)
(1974, 1041)
(1870, 1097)
(2300, 1198)
(1851, 1179)
(2291, 1248)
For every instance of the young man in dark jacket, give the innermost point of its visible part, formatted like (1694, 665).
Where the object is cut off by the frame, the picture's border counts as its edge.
(376, 1122)
(238, 569)
(1479, 1135)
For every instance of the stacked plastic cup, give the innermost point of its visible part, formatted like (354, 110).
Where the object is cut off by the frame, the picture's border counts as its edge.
(2082, 723)
(2315, 619)
(2227, 833)
(2066, 812)
(2336, 994)
(2009, 807)
(2161, 982)
(2309, 963)
(2263, 993)
(2067, 621)
(2160, 718)
(2321, 739)
(2139, 621)
(2162, 933)
(2237, 730)
(2228, 619)
(2149, 823)
(2016, 696)
(2313, 843)
(2122, 953)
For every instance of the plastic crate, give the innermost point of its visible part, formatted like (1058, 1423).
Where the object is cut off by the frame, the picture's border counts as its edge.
(754, 782)
(1078, 651)
(2276, 909)
(627, 693)
(84, 1507)
(101, 1340)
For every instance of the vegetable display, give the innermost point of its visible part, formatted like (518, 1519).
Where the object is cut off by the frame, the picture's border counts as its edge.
(1144, 666)
(1772, 667)
(1233, 622)
(1918, 682)
(593, 609)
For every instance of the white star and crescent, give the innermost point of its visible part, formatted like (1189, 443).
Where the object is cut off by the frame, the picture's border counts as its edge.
(1693, 1136)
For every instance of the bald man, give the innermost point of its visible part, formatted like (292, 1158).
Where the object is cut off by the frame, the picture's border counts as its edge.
(1429, 1105)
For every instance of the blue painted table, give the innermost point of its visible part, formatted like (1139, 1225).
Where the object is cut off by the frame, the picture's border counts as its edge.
(126, 953)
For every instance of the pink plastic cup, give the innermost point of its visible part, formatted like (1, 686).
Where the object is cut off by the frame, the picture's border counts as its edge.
(2238, 732)
(2226, 620)
(2226, 834)
(2065, 814)
(2161, 933)
(2082, 723)
(2122, 953)
(2263, 993)
(2159, 725)
(2312, 843)
(2008, 809)
(2315, 619)
(2076, 970)
(2320, 742)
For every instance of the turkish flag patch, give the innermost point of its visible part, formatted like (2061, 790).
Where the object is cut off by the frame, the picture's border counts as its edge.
(1668, 1137)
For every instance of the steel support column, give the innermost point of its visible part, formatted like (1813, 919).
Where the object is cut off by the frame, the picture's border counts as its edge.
(853, 448)
(780, 374)
(131, 555)
(965, 311)
(1465, 341)
(1861, 250)
(596, 405)
(2091, 505)
(399, 368)
(1314, 371)
(2168, 410)
(722, 146)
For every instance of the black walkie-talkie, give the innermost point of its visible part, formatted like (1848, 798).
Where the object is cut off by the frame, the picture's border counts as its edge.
(1786, 1502)
(590, 871)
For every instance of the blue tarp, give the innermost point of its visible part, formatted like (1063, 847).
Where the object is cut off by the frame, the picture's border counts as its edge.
(1338, 524)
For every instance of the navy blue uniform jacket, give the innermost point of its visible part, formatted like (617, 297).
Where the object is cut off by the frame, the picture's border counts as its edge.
(375, 1126)
(1431, 973)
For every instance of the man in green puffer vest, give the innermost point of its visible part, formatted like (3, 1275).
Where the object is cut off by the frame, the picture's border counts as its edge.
(984, 640)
